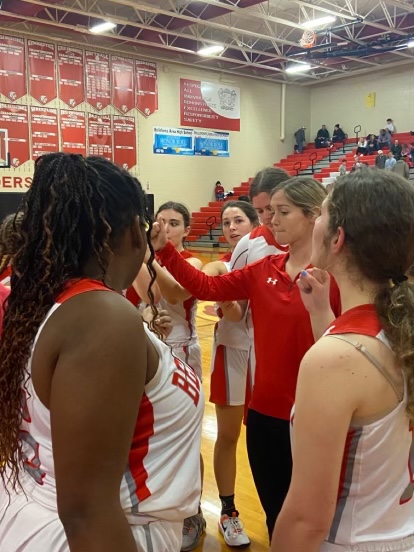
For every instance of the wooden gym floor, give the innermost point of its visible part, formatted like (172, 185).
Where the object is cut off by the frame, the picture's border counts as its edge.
(246, 497)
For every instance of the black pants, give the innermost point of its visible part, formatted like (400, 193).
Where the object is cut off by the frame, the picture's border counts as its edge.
(270, 458)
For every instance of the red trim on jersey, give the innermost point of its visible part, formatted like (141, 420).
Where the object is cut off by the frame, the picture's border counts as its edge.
(133, 296)
(5, 274)
(359, 320)
(268, 236)
(226, 258)
(81, 285)
(347, 451)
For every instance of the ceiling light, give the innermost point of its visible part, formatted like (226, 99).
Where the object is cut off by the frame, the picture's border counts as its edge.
(211, 50)
(314, 23)
(411, 43)
(102, 27)
(298, 68)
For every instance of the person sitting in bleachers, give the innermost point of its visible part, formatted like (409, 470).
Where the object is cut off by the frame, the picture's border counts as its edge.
(338, 134)
(390, 162)
(322, 138)
(219, 191)
(390, 126)
(384, 139)
(362, 146)
(380, 160)
(412, 152)
(401, 167)
(396, 150)
(342, 168)
(405, 151)
(372, 144)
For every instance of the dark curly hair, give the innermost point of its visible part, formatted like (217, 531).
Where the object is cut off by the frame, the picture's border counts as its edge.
(9, 232)
(75, 210)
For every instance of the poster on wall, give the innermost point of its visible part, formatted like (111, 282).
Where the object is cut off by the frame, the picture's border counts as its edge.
(209, 105)
(98, 80)
(71, 76)
(125, 140)
(42, 71)
(173, 141)
(146, 87)
(45, 131)
(73, 131)
(14, 119)
(123, 83)
(100, 135)
(209, 143)
(12, 67)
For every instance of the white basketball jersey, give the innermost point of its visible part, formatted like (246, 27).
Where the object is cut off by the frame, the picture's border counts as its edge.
(258, 244)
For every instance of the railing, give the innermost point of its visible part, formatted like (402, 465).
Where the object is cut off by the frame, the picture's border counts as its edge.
(357, 130)
(312, 157)
(297, 167)
(210, 222)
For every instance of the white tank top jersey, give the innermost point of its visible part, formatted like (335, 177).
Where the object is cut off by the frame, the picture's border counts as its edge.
(162, 478)
(258, 244)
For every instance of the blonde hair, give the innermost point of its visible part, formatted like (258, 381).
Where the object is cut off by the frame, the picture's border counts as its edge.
(304, 192)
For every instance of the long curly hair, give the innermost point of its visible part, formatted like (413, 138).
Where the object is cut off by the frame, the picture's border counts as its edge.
(75, 210)
(9, 232)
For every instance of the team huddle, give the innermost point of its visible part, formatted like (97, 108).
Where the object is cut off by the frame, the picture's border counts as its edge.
(101, 400)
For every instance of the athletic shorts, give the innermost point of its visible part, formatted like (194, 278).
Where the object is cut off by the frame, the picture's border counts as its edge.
(403, 545)
(229, 373)
(191, 355)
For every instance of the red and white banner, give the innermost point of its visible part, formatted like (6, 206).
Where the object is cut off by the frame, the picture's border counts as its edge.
(123, 83)
(73, 131)
(125, 142)
(45, 131)
(146, 87)
(71, 76)
(209, 105)
(42, 71)
(98, 80)
(14, 118)
(12, 67)
(100, 135)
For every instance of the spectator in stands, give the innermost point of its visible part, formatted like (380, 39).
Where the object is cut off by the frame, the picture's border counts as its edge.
(372, 144)
(384, 139)
(405, 151)
(380, 160)
(300, 138)
(322, 138)
(401, 167)
(396, 150)
(338, 134)
(390, 126)
(390, 162)
(412, 152)
(219, 191)
(362, 146)
(342, 168)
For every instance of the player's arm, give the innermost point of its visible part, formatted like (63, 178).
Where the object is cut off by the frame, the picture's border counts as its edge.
(95, 395)
(327, 395)
(170, 289)
(141, 284)
(231, 310)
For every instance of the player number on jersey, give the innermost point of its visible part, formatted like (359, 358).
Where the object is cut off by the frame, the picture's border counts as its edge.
(186, 379)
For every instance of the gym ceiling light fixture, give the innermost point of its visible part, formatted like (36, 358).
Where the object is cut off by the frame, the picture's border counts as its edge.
(298, 68)
(102, 27)
(314, 23)
(210, 50)
(410, 43)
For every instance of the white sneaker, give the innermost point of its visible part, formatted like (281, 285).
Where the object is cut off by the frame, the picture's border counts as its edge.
(233, 532)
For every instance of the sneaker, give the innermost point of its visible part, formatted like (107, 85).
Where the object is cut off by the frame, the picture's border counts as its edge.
(233, 532)
(193, 528)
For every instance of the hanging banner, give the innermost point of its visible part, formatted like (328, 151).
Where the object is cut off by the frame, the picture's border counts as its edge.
(98, 80)
(146, 87)
(73, 131)
(12, 67)
(125, 142)
(209, 143)
(209, 105)
(71, 76)
(42, 71)
(173, 141)
(14, 118)
(123, 83)
(100, 135)
(45, 131)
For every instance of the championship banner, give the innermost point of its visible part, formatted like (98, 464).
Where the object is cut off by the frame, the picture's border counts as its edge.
(100, 135)
(73, 131)
(98, 80)
(173, 141)
(125, 142)
(45, 131)
(71, 76)
(123, 83)
(42, 71)
(209, 143)
(209, 105)
(14, 119)
(146, 87)
(12, 67)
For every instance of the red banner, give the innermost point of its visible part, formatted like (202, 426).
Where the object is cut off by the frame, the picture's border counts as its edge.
(14, 118)
(45, 131)
(12, 67)
(123, 84)
(73, 131)
(146, 87)
(71, 76)
(125, 142)
(100, 135)
(209, 105)
(98, 80)
(42, 71)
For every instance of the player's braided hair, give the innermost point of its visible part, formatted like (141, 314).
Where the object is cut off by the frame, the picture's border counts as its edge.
(9, 231)
(75, 210)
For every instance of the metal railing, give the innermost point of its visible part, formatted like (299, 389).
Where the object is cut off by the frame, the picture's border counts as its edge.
(210, 222)
(297, 167)
(312, 158)
(357, 130)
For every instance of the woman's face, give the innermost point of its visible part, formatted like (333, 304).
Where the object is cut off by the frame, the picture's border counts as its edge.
(235, 224)
(174, 227)
(290, 224)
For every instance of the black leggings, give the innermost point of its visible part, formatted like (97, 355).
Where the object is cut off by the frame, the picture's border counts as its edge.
(270, 458)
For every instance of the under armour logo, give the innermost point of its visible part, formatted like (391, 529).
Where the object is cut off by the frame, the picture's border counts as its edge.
(271, 281)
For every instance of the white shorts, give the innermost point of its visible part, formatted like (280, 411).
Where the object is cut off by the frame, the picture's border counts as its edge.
(403, 545)
(229, 373)
(191, 355)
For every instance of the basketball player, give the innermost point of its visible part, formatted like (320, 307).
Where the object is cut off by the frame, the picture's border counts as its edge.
(353, 449)
(283, 331)
(100, 425)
